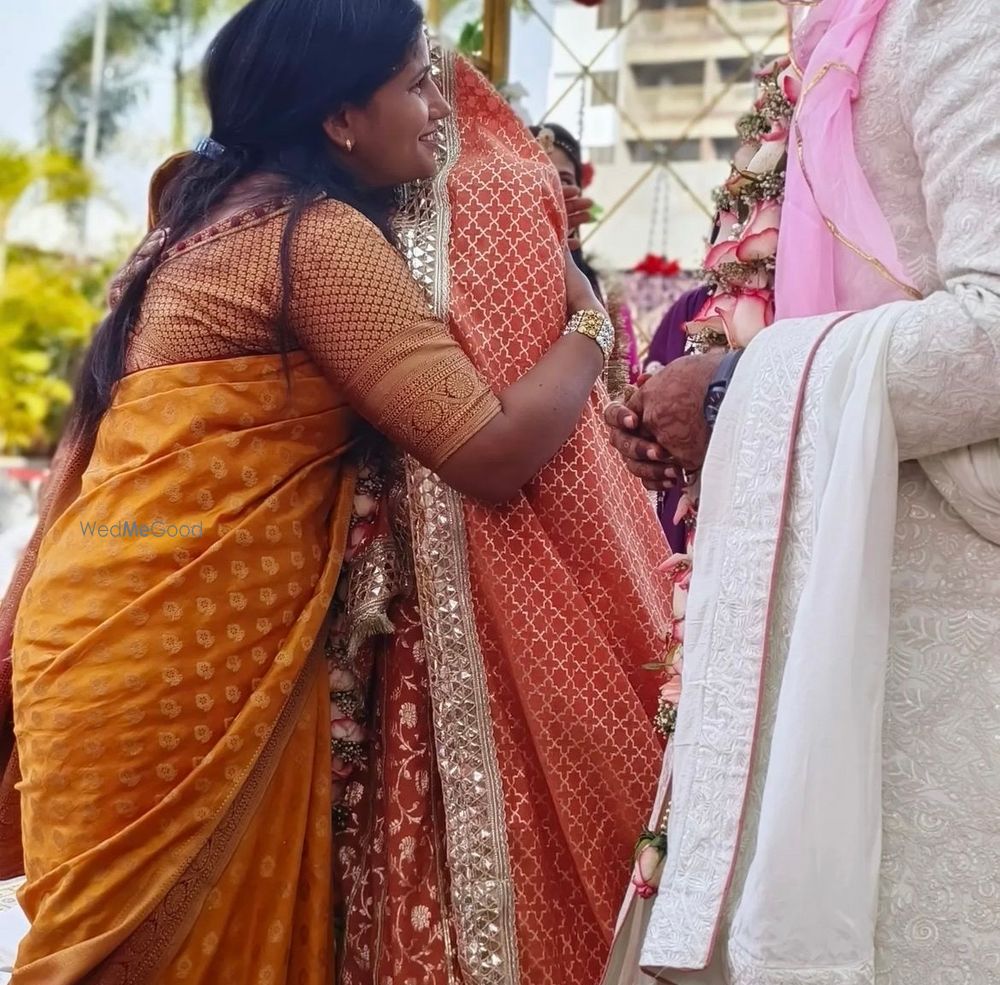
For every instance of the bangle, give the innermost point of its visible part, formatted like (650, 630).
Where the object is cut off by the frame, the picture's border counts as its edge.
(595, 325)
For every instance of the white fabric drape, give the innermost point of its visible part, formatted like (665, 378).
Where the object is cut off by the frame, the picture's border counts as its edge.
(811, 894)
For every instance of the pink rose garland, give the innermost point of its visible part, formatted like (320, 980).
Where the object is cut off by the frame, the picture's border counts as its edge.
(740, 263)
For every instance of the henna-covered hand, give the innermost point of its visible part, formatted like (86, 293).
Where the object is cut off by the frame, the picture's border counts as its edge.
(661, 427)
(673, 407)
(643, 457)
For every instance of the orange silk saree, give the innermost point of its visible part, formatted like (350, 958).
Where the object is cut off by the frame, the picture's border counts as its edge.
(514, 758)
(170, 690)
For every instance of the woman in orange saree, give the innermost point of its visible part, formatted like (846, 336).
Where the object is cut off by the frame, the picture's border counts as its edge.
(172, 704)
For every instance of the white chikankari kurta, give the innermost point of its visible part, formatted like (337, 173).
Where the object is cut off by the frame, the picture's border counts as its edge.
(928, 136)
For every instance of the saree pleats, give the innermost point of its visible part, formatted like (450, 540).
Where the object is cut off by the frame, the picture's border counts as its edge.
(171, 705)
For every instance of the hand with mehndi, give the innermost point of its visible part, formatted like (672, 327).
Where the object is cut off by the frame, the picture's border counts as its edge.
(661, 427)
(577, 211)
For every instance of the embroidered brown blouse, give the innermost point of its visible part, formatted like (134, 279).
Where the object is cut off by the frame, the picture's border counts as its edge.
(355, 310)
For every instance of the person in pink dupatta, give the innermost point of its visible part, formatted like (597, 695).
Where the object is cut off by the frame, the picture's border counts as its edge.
(835, 768)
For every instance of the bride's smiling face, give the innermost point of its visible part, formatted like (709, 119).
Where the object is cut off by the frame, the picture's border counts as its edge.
(394, 138)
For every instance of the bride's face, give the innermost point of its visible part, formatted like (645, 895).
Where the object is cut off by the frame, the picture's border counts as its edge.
(396, 136)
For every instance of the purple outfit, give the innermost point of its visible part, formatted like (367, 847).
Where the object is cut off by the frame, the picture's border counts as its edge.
(669, 343)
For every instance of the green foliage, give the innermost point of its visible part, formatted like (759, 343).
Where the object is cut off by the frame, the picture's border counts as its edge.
(471, 39)
(46, 319)
(62, 177)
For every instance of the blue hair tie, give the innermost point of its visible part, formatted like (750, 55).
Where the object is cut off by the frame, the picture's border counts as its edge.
(210, 148)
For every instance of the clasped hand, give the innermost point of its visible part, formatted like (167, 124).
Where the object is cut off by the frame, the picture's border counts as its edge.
(661, 429)
(578, 213)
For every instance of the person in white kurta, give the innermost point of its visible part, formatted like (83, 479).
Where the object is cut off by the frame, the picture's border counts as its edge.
(775, 874)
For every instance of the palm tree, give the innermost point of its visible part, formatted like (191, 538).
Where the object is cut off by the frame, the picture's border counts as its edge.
(137, 31)
(60, 176)
(64, 84)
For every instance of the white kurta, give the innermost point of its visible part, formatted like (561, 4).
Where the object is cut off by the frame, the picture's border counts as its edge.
(928, 136)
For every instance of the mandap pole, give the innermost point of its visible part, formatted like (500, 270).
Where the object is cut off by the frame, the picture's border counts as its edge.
(496, 39)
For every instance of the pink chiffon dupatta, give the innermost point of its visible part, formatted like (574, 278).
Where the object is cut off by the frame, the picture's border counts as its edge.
(836, 251)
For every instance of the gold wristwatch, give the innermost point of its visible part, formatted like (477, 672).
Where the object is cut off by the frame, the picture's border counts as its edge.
(595, 325)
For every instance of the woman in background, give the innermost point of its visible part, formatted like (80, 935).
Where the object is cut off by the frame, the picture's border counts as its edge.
(497, 811)
(564, 151)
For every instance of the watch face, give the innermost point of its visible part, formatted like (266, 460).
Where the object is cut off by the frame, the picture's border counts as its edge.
(713, 401)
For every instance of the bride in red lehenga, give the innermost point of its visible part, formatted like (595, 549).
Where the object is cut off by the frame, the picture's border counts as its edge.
(490, 829)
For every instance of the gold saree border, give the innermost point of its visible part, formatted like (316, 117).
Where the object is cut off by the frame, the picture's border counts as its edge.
(482, 886)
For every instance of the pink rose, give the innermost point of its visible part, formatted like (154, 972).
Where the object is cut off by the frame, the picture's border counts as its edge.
(677, 631)
(683, 580)
(777, 133)
(364, 505)
(756, 280)
(768, 157)
(675, 564)
(679, 600)
(724, 251)
(685, 508)
(791, 84)
(745, 154)
(759, 239)
(671, 689)
(347, 730)
(650, 853)
(728, 221)
(744, 314)
(341, 680)
(777, 65)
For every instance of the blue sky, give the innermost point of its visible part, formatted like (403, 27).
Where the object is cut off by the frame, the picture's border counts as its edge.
(29, 30)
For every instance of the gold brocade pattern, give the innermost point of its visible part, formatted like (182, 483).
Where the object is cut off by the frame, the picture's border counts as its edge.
(355, 310)
(167, 689)
(391, 874)
(482, 892)
(539, 615)
(376, 578)
(567, 602)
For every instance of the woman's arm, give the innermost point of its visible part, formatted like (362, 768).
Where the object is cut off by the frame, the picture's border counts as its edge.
(362, 317)
(538, 414)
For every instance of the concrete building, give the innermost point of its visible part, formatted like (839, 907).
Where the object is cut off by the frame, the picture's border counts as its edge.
(668, 86)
